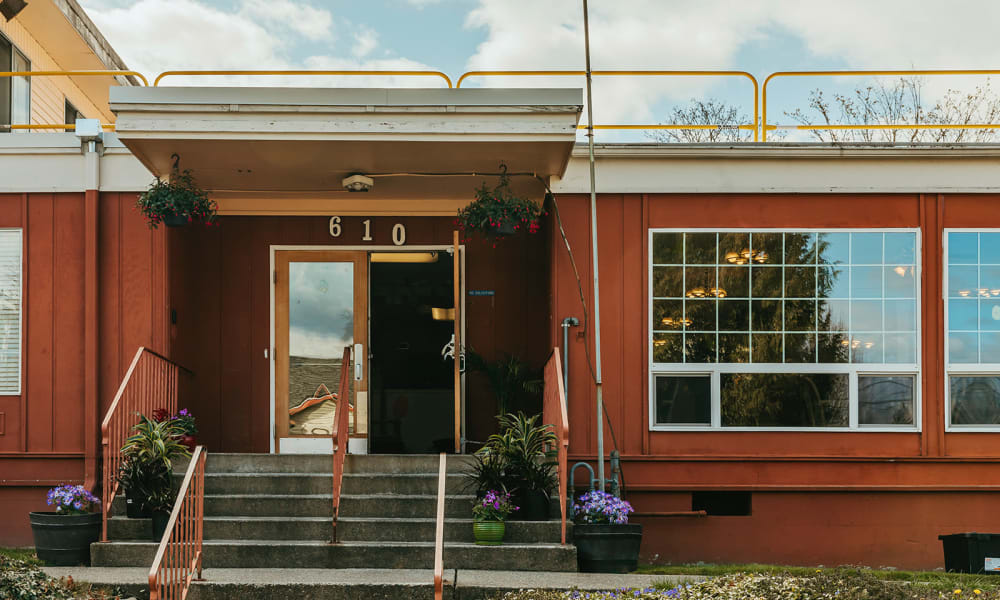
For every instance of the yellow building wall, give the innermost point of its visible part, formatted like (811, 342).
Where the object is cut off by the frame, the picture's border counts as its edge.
(48, 94)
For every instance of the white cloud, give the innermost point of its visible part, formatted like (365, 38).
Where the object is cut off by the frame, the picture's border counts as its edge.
(365, 40)
(639, 34)
(312, 23)
(155, 35)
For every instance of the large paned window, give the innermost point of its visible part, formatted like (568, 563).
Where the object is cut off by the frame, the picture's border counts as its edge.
(10, 311)
(972, 346)
(15, 92)
(784, 329)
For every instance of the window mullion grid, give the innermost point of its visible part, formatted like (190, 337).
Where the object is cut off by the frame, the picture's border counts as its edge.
(718, 301)
(684, 290)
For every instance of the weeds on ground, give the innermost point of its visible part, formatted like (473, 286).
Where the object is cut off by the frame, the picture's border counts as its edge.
(21, 578)
(819, 584)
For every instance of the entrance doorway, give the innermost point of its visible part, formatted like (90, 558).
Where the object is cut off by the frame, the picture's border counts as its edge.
(412, 317)
(321, 303)
(397, 311)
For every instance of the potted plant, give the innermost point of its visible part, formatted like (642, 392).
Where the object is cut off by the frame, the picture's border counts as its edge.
(514, 384)
(185, 424)
(176, 201)
(499, 211)
(149, 454)
(519, 460)
(63, 536)
(489, 513)
(605, 541)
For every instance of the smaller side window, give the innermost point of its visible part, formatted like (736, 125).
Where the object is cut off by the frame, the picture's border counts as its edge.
(20, 91)
(10, 312)
(71, 114)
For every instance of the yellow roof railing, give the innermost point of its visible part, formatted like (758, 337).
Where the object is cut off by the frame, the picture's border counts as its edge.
(255, 73)
(765, 127)
(136, 74)
(639, 73)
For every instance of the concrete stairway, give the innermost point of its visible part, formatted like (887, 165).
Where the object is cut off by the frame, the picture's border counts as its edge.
(273, 511)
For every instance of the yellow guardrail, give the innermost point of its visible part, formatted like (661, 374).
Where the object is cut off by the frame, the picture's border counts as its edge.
(760, 125)
(640, 73)
(75, 74)
(447, 79)
(765, 126)
(66, 126)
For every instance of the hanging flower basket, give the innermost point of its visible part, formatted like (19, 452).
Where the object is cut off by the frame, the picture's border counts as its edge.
(499, 212)
(176, 202)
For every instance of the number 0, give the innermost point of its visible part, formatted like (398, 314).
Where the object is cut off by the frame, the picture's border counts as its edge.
(398, 234)
(335, 228)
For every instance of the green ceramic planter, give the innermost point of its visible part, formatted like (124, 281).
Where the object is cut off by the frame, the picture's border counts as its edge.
(488, 533)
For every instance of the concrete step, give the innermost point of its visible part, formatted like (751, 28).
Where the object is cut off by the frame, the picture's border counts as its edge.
(259, 505)
(224, 462)
(405, 463)
(266, 483)
(405, 483)
(316, 554)
(403, 507)
(455, 530)
(235, 528)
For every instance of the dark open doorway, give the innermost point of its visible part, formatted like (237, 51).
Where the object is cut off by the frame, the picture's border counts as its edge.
(411, 319)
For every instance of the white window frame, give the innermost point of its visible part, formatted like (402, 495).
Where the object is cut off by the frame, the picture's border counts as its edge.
(961, 369)
(20, 313)
(853, 370)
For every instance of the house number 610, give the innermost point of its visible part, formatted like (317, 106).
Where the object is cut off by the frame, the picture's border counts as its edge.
(398, 231)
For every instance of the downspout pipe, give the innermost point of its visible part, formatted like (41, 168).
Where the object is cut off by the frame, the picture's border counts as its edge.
(566, 324)
(593, 241)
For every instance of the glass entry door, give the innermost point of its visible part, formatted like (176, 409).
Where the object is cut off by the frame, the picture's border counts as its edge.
(321, 301)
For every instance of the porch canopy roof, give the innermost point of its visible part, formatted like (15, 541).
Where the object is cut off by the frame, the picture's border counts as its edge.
(263, 139)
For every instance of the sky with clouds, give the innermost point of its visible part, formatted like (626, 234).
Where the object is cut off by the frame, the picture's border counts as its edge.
(454, 36)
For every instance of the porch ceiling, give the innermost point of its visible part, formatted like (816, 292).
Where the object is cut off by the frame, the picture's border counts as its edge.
(308, 139)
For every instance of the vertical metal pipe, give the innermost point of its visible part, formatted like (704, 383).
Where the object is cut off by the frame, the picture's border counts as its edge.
(593, 240)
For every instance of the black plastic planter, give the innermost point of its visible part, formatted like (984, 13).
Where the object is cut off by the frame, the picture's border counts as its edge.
(532, 506)
(64, 540)
(160, 520)
(607, 548)
(134, 508)
(967, 552)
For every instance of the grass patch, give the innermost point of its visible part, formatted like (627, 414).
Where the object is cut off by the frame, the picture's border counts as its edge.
(26, 555)
(934, 580)
(21, 578)
(777, 583)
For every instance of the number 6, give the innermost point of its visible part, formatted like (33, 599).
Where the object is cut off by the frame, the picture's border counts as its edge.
(335, 227)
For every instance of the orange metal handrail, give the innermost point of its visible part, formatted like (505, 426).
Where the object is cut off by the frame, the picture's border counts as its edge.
(151, 382)
(341, 435)
(554, 413)
(447, 79)
(178, 559)
(439, 528)
(641, 73)
(765, 127)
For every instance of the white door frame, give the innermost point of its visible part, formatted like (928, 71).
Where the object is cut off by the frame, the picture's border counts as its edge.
(360, 446)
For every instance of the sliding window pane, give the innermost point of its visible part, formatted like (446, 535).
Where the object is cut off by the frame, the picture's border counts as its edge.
(785, 400)
(685, 400)
(975, 400)
(885, 400)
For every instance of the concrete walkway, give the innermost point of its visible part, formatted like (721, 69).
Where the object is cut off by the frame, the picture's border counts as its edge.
(262, 584)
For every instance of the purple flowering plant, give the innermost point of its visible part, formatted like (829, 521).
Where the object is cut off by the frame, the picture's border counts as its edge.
(72, 500)
(493, 506)
(597, 507)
